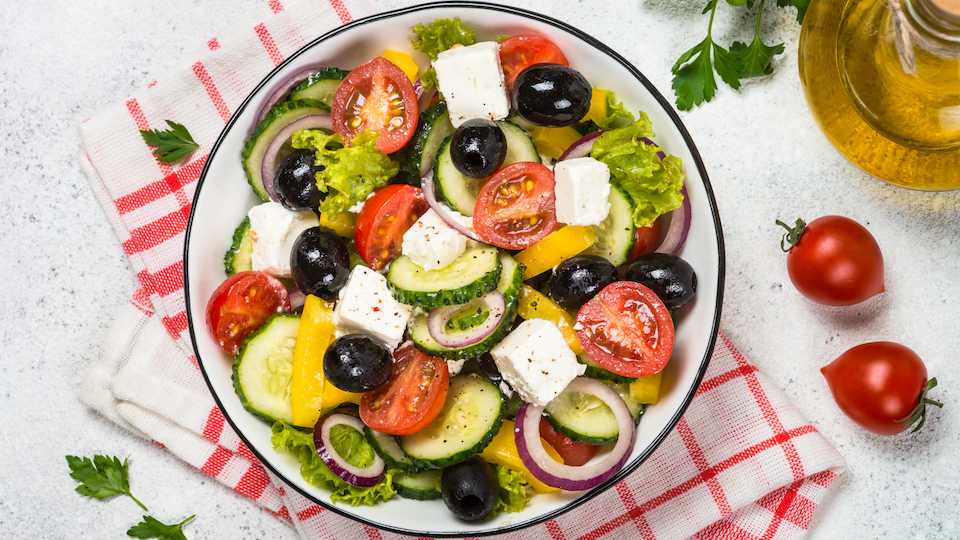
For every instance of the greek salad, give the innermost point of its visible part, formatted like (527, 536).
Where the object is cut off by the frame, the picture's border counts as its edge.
(462, 281)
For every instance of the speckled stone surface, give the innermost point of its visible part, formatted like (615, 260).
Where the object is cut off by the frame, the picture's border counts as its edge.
(65, 274)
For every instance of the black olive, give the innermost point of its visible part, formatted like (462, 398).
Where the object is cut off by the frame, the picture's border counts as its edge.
(551, 95)
(320, 263)
(469, 489)
(295, 182)
(489, 368)
(478, 148)
(358, 363)
(669, 276)
(578, 279)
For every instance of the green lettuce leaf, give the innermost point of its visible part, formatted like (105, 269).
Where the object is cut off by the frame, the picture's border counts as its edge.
(350, 173)
(441, 35)
(615, 110)
(513, 491)
(652, 184)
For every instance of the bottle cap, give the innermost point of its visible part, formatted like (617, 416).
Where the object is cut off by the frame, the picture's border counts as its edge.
(949, 7)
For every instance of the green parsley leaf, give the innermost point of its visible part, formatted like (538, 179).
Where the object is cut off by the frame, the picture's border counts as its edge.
(728, 66)
(694, 83)
(756, 59)
(101, 477)
(151, 528)
(171, 145)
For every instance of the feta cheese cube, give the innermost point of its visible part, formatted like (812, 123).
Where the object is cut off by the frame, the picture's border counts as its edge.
(273, 230)
(582, 190)
(536, 361)
(431, 243)
(367, 307)
(471, 81)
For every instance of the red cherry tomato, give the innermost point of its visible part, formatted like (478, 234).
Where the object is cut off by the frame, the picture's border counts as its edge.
(384, 218)
(645, 241)
(241, 305)
(519, 52)
(835, 261)
(626, 329)
(376, 96)
(881, 386)
(573, 453)
(412, 398)
(516, 207)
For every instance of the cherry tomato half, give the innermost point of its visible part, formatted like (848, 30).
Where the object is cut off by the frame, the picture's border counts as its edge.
(879, 385)
(516, 207)
(835, 261)
(626, 329)
(384, 218)
(645, 240)
(241, 305)
(573, 453)
(519, 52)
(376, 96)
(412, 398)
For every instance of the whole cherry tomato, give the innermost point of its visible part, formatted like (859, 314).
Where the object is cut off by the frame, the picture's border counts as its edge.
(833, 260)
(881, 386)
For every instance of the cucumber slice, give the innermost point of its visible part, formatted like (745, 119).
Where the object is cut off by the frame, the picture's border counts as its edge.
(239, 258)
(511, 279)
(279, 117)
(461, 192)
(615, 235)
(321, 86)
(422, 486)
(595, 371)
(387, 447)
(471, 416)
(420, 153)
(582, 417)
(475, 272)
(263, 368)
(634, 406)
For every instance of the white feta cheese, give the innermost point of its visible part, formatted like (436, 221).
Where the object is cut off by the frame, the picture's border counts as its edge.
(471, 81)
(536, 361)
(273, 230)
(454, 367)
(431, 243)
(582, 190)
(367, 307)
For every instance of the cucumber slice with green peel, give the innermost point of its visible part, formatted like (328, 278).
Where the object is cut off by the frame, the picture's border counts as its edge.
(467, 319)
(461, 192)
(239, 258)
(615, 235)
(469, 276)
(418, 155)
(264, 366)
(279, 117)
(471, 416)
(387, 447)
(321, 86)
(582, 417)
(423, 486)
(595, 371)
(635, 407)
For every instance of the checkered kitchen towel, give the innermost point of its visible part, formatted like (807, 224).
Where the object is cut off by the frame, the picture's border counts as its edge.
(742, 463)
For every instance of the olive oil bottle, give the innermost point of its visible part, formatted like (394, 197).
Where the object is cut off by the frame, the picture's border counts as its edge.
(882, 79)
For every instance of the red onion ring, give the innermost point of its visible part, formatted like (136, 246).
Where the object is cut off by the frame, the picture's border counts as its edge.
(283, 90)
(438, 317)
(567, 477)
(678, 228)
(269, 165)
(580, 148)
(429, 189)
(356, 476)
(297, 298)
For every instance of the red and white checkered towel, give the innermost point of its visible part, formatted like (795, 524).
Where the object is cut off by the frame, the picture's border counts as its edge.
(742, 463)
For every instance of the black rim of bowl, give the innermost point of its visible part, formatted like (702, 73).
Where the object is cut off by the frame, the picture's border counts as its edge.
(710, 199)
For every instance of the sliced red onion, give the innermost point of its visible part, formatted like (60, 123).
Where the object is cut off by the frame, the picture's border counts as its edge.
(418, 87)
(439, 316)
(297, 298)
(678, 228)
(430, 193)
(567, 477)
(353, 475)
(269, 165)
(580, 148)
(282, 90)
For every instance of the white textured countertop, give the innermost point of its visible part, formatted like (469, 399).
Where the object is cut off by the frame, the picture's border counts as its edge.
(65, 274)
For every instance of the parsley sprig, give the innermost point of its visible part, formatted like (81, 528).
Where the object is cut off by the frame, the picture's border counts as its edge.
(693, 81)
(152, 528)
(171, 145)
(101, 477)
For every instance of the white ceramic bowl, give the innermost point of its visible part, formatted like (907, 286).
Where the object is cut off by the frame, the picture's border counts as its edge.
(223, 198)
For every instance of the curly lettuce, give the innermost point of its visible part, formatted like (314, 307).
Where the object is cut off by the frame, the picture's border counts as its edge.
(442, 34)
(513, 490)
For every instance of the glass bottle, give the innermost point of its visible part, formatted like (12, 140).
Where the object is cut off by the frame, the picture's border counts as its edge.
(882, 80)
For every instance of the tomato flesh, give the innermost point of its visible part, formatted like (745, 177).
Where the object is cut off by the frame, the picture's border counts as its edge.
(626, 329)
(573, 453)
(645, 240)
(384, 218)
(520, 52)
(240, 306)
(516, 207)
(412, 398)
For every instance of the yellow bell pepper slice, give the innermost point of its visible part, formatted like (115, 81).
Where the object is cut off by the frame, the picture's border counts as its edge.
(647, 389)
(403, 61)
(553, 142)
(555, 248)
(502, 450)
(535, 305)
(343, 225)
(309, 391)
(598, 106)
